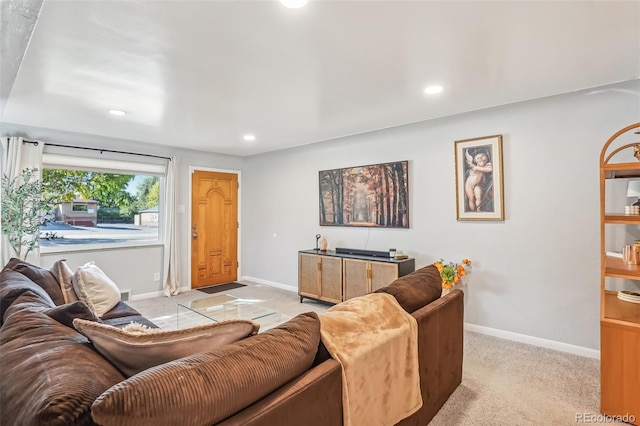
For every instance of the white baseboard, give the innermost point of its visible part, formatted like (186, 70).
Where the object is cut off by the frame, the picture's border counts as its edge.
(270, 283)
(535, 341)
(146, 295)
(154, 294)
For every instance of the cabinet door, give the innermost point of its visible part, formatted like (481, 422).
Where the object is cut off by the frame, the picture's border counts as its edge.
(355, 278)
(308, 267)
(619, 370)
(331, 279)
(382, 274)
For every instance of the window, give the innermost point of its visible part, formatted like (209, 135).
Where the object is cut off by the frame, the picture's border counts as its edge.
(99, 201)
(79, 207)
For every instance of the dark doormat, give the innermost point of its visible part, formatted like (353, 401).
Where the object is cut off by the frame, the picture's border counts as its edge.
(220, 287)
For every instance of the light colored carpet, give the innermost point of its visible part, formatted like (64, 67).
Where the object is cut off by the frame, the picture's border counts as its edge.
(510, 383)
(504, 382)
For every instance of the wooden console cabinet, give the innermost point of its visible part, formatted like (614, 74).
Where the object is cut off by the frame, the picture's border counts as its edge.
(320, 277)
(334, 277)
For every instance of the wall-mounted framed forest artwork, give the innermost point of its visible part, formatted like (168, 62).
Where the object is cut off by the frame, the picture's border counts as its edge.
(376, 195)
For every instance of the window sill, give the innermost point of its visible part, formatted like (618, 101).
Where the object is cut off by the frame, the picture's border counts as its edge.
(98, 247)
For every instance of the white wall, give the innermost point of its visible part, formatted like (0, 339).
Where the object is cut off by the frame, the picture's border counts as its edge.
(133, 268)
(130, 268)
(536, 273)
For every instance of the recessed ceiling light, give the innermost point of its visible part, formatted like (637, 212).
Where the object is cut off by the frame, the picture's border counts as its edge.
(432, 90)
(293, 4)
(117, 112)
(249, 138)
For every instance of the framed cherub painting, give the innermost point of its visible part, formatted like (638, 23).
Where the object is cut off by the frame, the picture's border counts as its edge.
(479, 182)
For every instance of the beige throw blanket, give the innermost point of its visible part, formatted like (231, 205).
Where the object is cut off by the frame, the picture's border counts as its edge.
(375, 340)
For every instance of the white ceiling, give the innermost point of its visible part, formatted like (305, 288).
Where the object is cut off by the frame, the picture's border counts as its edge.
(201, 74)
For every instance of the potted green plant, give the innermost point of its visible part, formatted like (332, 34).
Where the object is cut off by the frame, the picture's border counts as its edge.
(24, 210)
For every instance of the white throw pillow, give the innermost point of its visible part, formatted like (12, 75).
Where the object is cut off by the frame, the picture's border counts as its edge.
(93, 287)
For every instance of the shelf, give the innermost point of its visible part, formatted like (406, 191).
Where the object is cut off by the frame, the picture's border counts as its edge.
(622, 219)
(619, 311)
(619, 319)
(617, 268)
(621, 170)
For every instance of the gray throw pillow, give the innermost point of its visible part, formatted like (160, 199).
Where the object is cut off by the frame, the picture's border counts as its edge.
(65, 314)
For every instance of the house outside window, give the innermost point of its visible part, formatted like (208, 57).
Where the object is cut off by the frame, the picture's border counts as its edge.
(148, 217)
(78, 212)
(101, 203)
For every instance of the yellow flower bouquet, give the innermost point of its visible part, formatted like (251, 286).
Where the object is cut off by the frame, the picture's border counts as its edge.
(451, 273)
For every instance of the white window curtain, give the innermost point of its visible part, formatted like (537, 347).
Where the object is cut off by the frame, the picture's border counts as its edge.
(18, 155)
(170, 264)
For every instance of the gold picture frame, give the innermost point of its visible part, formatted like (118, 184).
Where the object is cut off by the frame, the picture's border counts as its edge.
(479, 178)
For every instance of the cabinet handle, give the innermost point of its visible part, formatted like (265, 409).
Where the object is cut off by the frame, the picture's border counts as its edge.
(369, 273)
(319, 266)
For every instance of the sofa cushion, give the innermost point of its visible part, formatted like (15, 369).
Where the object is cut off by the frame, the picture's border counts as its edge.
(64, 275)
(12, 285)
(50, 373)
(206, 388)
(43, 277)
(120, 310)
(95, 288)
(417, 289)
(65, 314)
(124, 321)
(132, 352)
(123, 314)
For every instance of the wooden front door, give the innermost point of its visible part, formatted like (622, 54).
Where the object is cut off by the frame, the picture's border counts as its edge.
(214, 228)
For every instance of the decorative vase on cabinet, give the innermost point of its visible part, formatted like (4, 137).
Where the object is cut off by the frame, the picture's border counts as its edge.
(619, 319)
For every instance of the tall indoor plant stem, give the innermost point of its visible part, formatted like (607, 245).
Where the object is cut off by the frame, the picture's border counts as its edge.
(24, 210)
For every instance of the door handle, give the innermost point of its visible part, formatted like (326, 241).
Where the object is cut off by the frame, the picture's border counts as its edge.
(194, 235)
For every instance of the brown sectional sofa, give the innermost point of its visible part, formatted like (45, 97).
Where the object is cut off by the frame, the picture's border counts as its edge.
(51, 374)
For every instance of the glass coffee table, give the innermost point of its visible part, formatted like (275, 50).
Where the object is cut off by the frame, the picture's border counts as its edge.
(224, 307)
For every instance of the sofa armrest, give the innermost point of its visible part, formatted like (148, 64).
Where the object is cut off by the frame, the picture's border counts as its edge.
(440, 347)
(312, 399)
